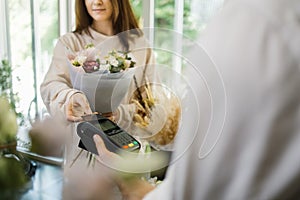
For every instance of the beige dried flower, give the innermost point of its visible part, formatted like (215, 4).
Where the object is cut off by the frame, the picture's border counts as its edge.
(158, 113)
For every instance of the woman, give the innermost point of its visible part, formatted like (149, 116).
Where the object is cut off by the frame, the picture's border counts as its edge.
(96, 21)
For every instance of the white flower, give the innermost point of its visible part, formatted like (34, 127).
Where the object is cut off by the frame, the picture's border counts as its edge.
(79, 60)
(127, 63)
(107, 66)
(95, 68)
(111, 58)
(113, 61)
(89, 53)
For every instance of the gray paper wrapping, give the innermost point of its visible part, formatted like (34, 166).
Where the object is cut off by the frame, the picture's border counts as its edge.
(104, 91)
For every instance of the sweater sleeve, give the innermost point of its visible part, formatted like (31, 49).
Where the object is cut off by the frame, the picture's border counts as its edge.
(56, 88)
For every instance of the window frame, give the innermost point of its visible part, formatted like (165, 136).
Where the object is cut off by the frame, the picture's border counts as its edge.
(4, 31)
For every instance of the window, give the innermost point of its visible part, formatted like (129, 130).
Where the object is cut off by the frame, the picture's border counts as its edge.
(186, 17)
(30, 28)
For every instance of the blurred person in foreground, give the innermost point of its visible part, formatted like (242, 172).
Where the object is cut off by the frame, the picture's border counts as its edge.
(256, 46)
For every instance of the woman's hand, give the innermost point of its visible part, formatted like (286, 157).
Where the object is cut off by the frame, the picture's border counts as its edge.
(77, 106)
(131, 189)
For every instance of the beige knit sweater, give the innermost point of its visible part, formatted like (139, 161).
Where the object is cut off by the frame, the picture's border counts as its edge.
(57, 88)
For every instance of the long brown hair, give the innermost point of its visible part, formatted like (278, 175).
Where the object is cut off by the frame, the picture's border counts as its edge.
(123, 19)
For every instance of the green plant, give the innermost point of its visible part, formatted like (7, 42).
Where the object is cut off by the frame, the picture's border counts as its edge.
(12, 176)
(12, 165)
(5, 79)
(8, 123)
(6, 89)
(164, 18)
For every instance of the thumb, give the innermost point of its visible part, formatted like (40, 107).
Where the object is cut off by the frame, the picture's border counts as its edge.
(103, 152)
(101, 148)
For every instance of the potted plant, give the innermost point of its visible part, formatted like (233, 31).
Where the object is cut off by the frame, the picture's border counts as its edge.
(12, 176)
(15, 170)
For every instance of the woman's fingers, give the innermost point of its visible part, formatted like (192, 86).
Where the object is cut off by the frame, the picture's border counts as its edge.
(78, 106)
(72, 118)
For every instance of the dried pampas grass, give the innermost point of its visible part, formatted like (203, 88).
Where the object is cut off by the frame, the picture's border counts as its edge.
(167, 134)
(158, 113)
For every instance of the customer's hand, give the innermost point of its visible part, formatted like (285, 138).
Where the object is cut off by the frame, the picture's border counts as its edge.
(77, 106)
(103, 153)
(48, 136)
(133, 188)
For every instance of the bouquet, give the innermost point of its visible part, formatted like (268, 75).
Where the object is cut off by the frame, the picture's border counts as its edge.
(115, 61)
(105, 80)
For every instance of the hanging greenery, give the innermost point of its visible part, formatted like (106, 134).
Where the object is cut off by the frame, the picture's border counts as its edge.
(6, 89)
